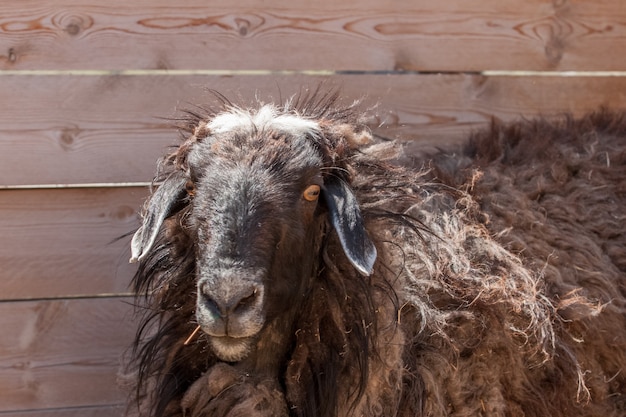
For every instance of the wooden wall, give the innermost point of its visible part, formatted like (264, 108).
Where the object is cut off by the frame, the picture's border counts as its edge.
(85, 86)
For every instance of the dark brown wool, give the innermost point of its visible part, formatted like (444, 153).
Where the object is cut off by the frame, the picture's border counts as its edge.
(498, 287)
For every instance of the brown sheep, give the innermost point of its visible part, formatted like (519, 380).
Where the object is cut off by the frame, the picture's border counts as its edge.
(290, 266)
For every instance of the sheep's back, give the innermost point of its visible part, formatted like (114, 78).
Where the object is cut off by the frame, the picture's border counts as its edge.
(519, 291)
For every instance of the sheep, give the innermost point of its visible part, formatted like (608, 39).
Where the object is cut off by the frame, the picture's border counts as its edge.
(290, 264)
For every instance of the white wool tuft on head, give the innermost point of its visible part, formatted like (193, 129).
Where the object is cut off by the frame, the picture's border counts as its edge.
(268, 117)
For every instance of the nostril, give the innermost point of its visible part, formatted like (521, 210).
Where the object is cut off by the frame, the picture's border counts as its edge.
(211, 306)
(247, 300)
(223, 304)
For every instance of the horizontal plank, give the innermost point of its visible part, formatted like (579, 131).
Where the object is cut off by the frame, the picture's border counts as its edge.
(110, 129)
(363, 35)
(61, 243)
(64, 353)
(89, 411)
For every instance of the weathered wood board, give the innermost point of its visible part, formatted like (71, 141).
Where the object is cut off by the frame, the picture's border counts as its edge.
(64, 242)
(61, 353)
(112, 129)
(363, 35)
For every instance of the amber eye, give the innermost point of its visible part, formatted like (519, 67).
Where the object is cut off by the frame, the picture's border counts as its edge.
(311, 193)
(190, 187)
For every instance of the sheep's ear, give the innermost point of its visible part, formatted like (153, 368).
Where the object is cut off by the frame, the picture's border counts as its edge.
(345, 216)
(163, 202)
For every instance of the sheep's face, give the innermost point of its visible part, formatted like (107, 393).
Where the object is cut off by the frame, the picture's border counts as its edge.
(252, 184)
(256, 219)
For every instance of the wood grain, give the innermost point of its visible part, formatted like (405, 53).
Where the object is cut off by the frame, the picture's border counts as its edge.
(61, 243)
(63, 353)
(110, 129)
(363, 35)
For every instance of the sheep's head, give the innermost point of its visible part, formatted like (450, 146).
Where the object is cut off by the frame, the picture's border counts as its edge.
(255, 191)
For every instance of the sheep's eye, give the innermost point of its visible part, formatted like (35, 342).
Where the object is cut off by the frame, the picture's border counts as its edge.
(311, 193)
(190, 187)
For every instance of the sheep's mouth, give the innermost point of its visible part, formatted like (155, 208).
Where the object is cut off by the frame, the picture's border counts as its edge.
(231, 349)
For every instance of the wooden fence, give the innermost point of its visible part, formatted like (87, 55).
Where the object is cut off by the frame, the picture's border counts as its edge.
(86, 87)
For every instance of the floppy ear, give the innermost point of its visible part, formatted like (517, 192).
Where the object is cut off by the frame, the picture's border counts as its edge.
(168, 197)
(345, 216)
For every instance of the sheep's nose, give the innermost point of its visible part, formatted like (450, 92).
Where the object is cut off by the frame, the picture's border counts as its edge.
(224, 305)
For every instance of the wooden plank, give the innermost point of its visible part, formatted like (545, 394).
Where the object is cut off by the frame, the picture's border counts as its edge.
(60, 243)
(363, 35)
(64, 353)
(93, 411)
(66, 129)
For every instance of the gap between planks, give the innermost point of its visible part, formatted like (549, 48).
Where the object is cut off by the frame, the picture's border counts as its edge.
(185, 72)
(128, 295)
(79, 185)
(60, 411)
